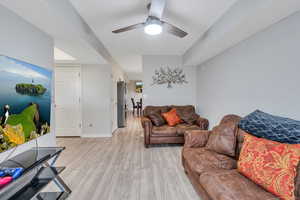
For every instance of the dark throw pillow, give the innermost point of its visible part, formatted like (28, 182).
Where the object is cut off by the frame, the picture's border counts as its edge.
(157, 119)
(190, 118)
(271, 127)
(222, 139)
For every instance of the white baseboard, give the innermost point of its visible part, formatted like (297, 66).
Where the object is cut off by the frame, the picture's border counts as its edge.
(96, 135)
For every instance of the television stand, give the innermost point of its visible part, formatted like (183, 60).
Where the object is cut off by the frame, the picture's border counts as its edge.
(39, 171)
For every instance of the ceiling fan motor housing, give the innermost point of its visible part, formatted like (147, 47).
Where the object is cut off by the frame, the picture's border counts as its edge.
(153, 20)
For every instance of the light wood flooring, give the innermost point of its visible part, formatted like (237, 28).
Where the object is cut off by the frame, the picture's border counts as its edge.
(120, 168)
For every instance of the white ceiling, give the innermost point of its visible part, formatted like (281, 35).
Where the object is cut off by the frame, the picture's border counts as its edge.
(55, 18)
(229, 22)
(243, 20)
(103, 16)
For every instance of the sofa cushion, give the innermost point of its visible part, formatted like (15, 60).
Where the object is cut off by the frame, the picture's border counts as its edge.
(196, 138)
(181, 128)
(184, 110)
(190, 118)
(186, 113)
(240, 140)
(270, 164)
(272, 127)
(155, 109)
(157, 119)
(164, 131)
(201, 160)
(222, 139)
(223, 184)
(171, 117)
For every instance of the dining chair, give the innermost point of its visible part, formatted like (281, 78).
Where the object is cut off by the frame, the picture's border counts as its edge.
(134, 106)
(140, 107)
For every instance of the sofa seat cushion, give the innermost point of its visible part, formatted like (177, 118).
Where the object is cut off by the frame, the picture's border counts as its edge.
(201, 160)
(223, 184)
(164, 131)
(181, 128)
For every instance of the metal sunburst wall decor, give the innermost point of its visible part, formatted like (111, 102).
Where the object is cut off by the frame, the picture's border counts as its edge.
(166, 75)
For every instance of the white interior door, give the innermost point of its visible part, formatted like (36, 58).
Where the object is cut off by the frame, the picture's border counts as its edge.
(67, 101)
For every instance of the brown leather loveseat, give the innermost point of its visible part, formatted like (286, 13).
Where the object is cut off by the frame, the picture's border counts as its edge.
(214, 175)
(166, 134)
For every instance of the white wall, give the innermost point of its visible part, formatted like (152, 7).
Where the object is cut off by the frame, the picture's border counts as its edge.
(260, 73)
(23, 41)
(96, 101)
(160, 94)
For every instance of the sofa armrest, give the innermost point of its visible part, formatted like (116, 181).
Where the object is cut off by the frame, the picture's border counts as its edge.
(147, 126)
(202, 123)
(196, 138)
(145, 121)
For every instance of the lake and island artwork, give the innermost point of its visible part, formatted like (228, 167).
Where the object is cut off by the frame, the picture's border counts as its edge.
(25, 102)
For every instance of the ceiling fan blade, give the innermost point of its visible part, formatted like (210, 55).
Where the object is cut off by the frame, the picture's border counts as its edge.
(128, 28)
(174, 30)
(157, 8)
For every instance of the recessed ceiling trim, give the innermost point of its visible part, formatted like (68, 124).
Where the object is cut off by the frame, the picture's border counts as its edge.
(243, 20)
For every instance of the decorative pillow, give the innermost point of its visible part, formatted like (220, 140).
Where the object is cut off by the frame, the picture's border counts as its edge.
(190, 118)
(156, 119)
(171, 117)
(270, 164)
(272, 127)
(222, 139)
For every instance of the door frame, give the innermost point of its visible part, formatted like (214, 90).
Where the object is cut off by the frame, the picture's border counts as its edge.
(74, 66)
(114, 116)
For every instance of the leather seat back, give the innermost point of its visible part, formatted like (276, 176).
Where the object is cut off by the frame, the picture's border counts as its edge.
(184, 109)
(155, 109)
(181, 110)
(239, 134)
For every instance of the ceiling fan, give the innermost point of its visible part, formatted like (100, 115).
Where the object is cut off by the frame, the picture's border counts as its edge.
(153, 24)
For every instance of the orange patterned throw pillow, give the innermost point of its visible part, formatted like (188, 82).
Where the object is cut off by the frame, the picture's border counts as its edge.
(171, 117)
(270, 164)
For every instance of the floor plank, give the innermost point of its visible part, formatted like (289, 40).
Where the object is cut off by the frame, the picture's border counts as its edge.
(120, 168)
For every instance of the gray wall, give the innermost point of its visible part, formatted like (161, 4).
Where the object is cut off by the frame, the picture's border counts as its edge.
(160, 94)
(96, 101)
(259, 73)
(21, 40)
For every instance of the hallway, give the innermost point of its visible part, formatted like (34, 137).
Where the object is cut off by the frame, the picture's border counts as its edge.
(121, 168)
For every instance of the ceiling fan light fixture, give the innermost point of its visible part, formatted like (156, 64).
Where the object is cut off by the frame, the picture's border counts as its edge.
(153, 27)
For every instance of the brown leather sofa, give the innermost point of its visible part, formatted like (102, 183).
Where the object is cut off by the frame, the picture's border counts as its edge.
(214, 175)
(166, 134)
